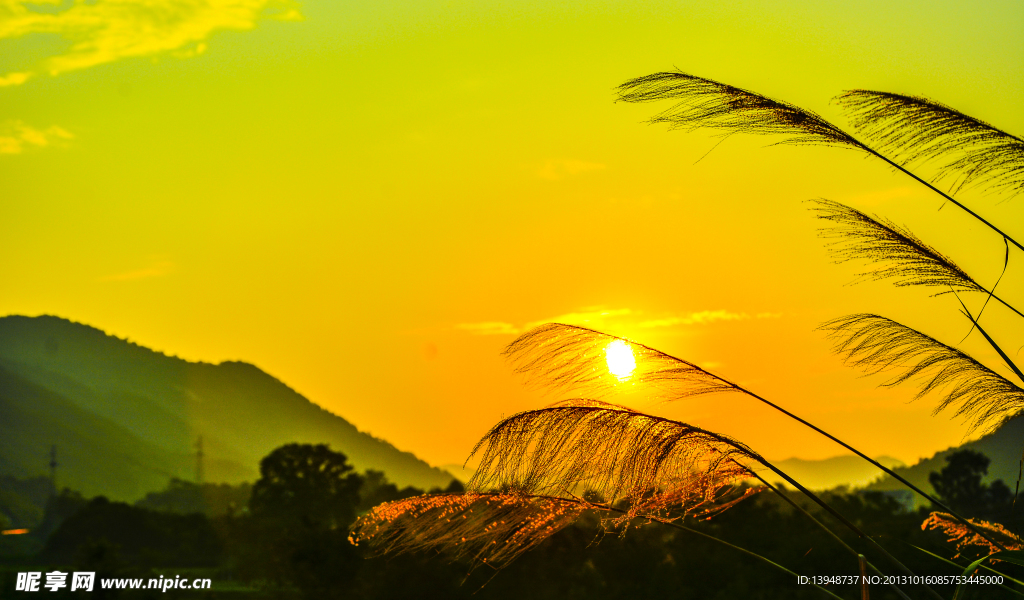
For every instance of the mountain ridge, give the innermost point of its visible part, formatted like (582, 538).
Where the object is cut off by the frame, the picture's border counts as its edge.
(241, 411)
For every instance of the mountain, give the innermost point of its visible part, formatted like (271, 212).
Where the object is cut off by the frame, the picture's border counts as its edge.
(1003, 447)
(125, 419)
(832, 472)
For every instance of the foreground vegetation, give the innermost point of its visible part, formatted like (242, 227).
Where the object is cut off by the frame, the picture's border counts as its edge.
(286, 537)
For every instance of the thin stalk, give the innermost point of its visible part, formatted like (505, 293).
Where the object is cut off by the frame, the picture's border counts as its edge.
(991, 342)
(862, 562)
(1004, 303)
(824, 527)
(720, 541)
(878, 154)
(887, 470)
(960, 568)
(814, 497)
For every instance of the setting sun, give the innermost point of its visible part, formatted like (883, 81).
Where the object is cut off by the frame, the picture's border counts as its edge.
(620, 359)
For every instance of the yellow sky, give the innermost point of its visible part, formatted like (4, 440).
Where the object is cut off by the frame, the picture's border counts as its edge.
(369, 200)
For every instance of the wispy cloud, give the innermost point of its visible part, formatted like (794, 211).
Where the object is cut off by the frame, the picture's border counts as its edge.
(155, 269)
(553, 170)
(16, 137)
(703, 317)
(594, 316)
(489, 328)
(14, 79)
(103, 31)
(591, 316)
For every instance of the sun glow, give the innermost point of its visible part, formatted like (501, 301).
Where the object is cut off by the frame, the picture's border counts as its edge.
(620, 359)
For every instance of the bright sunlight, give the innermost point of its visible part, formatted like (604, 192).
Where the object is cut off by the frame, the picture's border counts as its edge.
(620, 359)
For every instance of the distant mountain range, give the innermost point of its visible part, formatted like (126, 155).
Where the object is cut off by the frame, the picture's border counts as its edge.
(1003, 447)
(828, 473)
(125, 419)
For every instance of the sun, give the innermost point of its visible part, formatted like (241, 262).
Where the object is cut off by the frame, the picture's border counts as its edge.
(620, 359)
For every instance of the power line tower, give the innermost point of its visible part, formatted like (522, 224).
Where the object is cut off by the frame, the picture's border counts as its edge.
(199, 461)
(53, 467)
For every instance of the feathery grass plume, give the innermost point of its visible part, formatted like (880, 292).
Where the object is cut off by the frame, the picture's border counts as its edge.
(981, 396)
(706, 103)
(917, 129)
(966, 539)
(910, 261)
(568, 357)
(657, 465)
(703, 102)
(490, 528)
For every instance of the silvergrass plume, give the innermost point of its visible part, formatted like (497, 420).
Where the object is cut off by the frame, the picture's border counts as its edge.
(703, 102)
(676, 468)
(493, 528)
(567, 357)
(655, 464)
(904, 257)
(490, 528)
(916, 129)
(707, 103)
(570, 358)
(876, 344)
(965, 539)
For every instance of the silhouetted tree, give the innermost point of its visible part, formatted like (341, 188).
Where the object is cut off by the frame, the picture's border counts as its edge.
(959, 485)
(301, 508)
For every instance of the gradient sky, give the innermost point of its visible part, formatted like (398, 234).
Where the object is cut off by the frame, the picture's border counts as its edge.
(368, 200)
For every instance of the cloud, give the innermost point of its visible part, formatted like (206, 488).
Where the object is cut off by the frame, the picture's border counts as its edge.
(489, 328)
(14, 79)
(591, 316)
(156, 269)
(106, 30)
(704, 317)
(16, 136)
(553, 170)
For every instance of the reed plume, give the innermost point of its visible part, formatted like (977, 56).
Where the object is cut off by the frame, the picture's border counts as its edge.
(490, 528)
(707, 103)
(991, 154)
(563, 357)
(981, 396)
(904, 257)
(571, 358)
(916, 129)
(966, 539)
(656, 465)
(662, 469)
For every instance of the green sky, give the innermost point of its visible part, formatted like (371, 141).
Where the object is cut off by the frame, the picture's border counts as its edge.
(369, 200)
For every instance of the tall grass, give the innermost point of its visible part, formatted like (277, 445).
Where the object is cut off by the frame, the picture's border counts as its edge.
(541, 470)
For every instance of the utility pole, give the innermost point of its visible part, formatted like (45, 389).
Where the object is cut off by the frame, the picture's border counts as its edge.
(53, 468)
(199, 461)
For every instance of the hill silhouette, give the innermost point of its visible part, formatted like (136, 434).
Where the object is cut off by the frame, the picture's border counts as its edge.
(1003, 447)
(126, 418)
(832, 472)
